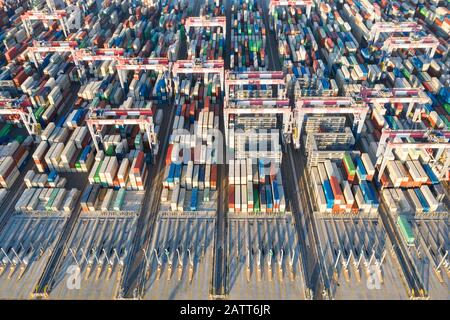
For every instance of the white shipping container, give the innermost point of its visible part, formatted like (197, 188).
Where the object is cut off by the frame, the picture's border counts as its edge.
(432, 202)
(415, 200)
(174, 198)
(349, 199)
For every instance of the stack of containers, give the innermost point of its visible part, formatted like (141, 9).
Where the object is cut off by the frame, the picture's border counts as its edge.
(206, 43)
(65, 146)
(299, 53)
(13, 157)
(248, 37)
(191, 159)
(46, 194)
(255, 187)
(343, 187)
(37, 180)
(424, 201)
(129, 173)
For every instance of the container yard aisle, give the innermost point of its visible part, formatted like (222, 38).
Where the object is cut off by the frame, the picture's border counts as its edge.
(180, 272)
(133, 270)
(220, 269)
(414, 283)
(298, 194)
(134, 276)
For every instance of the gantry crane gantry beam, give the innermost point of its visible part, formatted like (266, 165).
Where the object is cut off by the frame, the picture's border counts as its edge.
(328, 105)
(437, 139)
(59, 15)
(95, 54)
(428, 42)
(269, 106)
(138, 64)
(198, 66)
(206, 22)
(109, 117)
(278, 3)
(42, 47)
(254, 78)
(391, 27)
(410, 96)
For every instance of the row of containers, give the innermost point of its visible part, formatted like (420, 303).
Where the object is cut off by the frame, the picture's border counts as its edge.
(65, 146)
(128, 173)
(148, 86)
(255, 186)
(345, 187)
(340, 41)
(248, 36)
(119, 174)
(116, 180)
(192, 158)
(206, 44)
(46, 194)
(190, 175)
(13, 157)
(422, 201)
(298, 46)
(405, 168)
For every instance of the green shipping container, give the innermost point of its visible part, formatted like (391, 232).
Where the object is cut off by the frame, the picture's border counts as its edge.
(50, 201)
(447, 108)
(405, 229)
(5, 130)
(348, 162)
(256, 204)
(97, 176)
(118, 203)
(110, 151)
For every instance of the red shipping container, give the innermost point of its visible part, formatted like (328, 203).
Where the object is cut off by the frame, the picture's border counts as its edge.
(384, 180)
(213, 176)
(207, 104)
(337, 192)
(139, 163)
(231, 197)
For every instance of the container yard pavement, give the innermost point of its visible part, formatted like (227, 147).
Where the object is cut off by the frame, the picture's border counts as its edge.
(100, 248)
(263, 256)
(179, 259)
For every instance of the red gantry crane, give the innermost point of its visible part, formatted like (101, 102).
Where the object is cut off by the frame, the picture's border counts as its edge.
(279, 3)
(42, 47)
(429, 42)
(260, 106)
(435, 140)
(254, 78)
(206, 22)
(327, 105)
(391, 27)
(411, 96)
(138, 64)
(59, 15)
(21, 109)
(95, 54)
(98, 118)
(198, 66)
